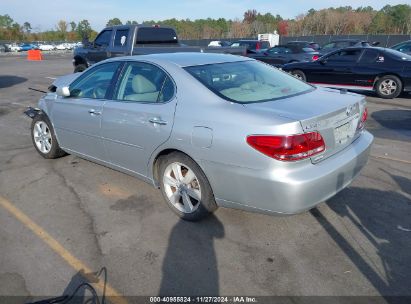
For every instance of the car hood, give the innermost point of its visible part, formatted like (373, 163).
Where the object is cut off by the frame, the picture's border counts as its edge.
(316, 103)
(66, 80)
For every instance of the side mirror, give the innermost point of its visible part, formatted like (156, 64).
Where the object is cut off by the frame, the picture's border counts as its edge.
(63, 91)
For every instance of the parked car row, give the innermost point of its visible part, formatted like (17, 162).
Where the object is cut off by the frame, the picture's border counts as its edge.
(14, 47)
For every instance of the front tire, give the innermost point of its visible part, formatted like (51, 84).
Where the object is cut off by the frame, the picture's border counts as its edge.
(299, 75)
(185, 187)
(44, 138)
(388, 87)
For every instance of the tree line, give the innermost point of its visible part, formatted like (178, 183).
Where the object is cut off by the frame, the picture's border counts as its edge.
(330, 21)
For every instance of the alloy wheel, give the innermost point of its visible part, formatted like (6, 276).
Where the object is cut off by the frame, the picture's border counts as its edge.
(388, 87)
(42, 137)
(182, 187)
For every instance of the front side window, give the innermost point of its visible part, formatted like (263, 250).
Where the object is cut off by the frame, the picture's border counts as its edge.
(344, 56)
(247, 81)
(103, 39)
(143, 82)
(95, 82)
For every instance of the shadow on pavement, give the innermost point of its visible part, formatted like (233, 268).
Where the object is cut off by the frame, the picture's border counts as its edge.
(10, 80)
(393, 119)
(190, 264)
(384, 218)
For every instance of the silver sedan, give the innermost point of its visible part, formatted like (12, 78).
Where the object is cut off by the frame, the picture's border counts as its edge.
(209, 130)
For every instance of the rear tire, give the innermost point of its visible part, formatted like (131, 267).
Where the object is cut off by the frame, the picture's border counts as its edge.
(79, 68)
(44, 138)
(299, 75)
(388, 87)
(185, 187)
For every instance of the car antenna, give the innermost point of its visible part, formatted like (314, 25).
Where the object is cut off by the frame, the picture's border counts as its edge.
(37, 90)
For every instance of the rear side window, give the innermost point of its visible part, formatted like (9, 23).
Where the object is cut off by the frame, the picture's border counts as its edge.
(143, 82)
(156, 35)
(121, 38)
(104, 38)
(369, 56)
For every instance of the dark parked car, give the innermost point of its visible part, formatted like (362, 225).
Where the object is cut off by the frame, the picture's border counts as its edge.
(344, 43)
(253, 46)
(385, 71)
(404, 47)
(2, 48)
(305, 44)
(282, 54)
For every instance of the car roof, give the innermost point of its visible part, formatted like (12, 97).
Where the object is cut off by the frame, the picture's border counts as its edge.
(184, 59)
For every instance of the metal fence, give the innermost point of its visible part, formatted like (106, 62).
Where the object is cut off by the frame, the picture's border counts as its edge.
(384, 40)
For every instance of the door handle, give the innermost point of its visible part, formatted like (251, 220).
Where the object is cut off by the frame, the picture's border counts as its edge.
(94, 112)
(157, 121)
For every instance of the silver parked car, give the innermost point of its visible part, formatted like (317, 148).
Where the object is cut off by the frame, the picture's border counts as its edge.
(209, 130)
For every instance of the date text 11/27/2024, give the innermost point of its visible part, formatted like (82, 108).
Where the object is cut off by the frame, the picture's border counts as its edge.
(234, 299)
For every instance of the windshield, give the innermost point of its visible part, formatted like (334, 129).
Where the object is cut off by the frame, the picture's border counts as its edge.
(248, 81)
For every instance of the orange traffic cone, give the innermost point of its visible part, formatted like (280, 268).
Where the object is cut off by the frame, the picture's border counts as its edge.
(34, 55)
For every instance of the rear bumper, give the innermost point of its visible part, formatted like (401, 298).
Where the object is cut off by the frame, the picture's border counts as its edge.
(290, 191)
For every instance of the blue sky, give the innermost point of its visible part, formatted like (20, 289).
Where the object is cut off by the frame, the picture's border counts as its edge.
(45, 14)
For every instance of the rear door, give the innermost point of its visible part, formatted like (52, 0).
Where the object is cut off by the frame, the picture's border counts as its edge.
(77, 118)
(140, 116)
(122, 42)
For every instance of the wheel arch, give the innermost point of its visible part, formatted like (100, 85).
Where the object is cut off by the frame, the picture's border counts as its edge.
(387, 74)
(155, 164)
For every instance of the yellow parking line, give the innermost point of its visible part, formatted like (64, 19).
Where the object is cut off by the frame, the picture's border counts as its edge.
(75, 263)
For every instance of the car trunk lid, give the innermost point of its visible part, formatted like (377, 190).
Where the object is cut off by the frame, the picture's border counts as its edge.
(334, 115)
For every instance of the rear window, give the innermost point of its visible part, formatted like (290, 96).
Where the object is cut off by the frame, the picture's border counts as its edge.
(248, 81)
(397, 55)
(155, 35)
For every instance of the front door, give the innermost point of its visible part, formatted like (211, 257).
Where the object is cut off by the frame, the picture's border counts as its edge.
(336, 69)
(99, 50)
(140, 116)
(77, 118)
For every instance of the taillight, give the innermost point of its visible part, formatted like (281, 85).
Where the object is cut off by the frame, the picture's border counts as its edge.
(258, 46)
(363, 119)
(315, 57)
(288, 147)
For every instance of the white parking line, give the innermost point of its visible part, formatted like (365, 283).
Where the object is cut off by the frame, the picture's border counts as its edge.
(53, 78)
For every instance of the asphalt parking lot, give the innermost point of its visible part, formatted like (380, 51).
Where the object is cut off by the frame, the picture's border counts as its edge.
(65, 217)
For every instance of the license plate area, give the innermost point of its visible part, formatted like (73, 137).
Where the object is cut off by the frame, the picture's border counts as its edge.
(345, 133)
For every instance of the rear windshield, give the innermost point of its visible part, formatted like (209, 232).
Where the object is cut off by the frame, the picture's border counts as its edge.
(156, 35)
(248, 81)
(398, 55)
